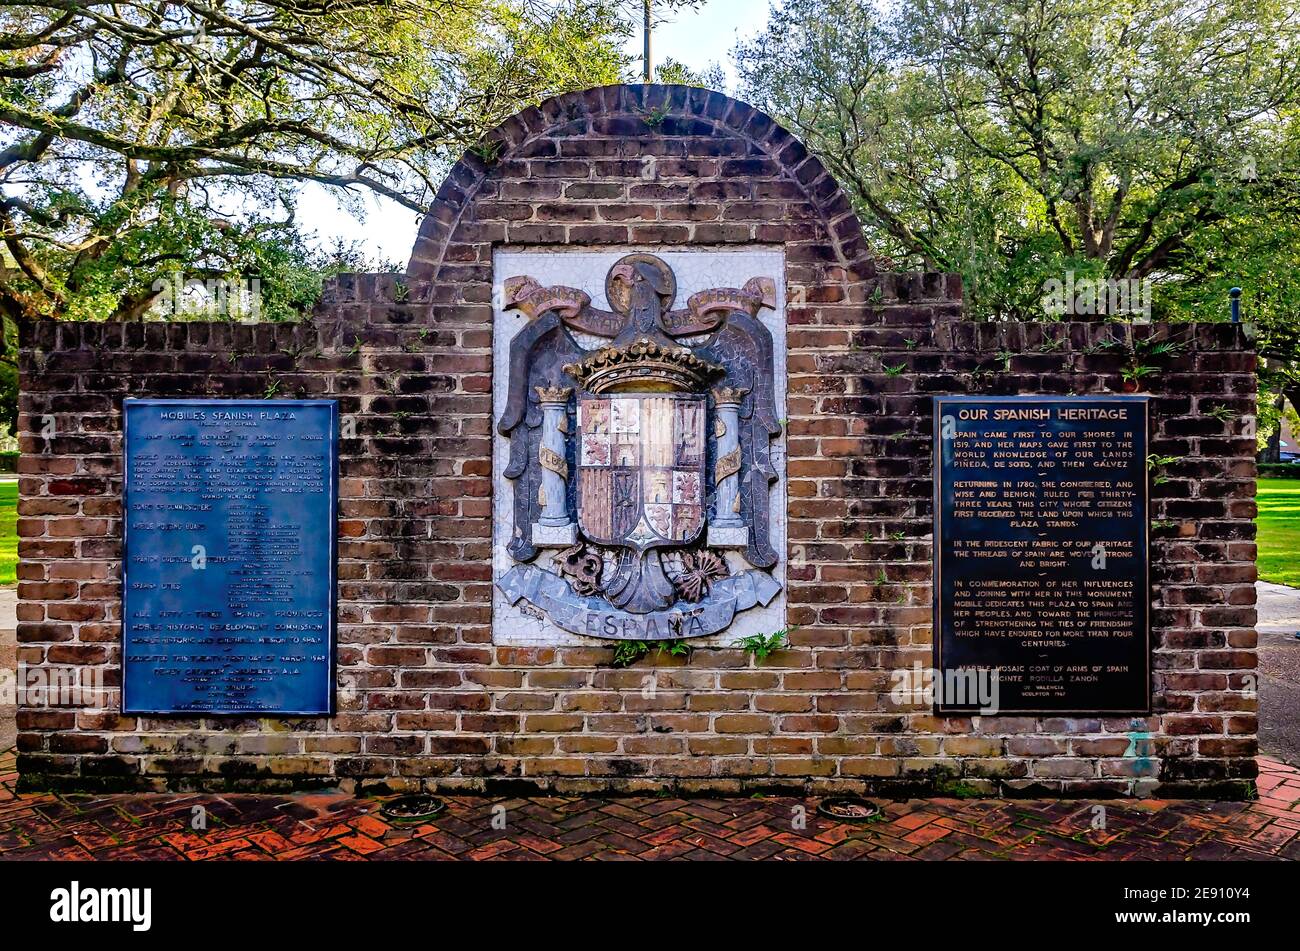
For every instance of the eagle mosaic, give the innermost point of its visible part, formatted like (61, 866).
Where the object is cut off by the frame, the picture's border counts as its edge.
(640, 452)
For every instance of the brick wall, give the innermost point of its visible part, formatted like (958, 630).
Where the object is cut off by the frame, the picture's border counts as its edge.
(429, 699)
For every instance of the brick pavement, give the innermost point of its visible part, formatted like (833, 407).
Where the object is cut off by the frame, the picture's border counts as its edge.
(332, 826)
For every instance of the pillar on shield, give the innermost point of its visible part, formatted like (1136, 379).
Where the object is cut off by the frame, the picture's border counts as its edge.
(554, 526)
(726, 528)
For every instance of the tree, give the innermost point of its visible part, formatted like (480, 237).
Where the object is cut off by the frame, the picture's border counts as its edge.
(1018, 141)
(676, 73)
(1011, 140)
(143, 138)
(649, 14)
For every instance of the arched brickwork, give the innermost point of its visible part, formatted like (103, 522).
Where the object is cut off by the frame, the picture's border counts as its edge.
(641, 165)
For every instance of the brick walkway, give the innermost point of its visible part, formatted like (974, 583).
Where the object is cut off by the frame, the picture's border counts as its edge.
(327, 826)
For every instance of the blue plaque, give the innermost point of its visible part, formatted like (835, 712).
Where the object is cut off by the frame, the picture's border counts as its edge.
(1040, 555)
(228, 577)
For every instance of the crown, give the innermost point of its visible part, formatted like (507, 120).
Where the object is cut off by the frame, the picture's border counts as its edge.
(643, 365)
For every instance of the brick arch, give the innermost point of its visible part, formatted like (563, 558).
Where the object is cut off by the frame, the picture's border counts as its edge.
(646, 165)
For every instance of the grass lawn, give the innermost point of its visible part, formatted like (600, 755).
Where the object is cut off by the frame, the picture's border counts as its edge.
(8, 532)
(1279, 531)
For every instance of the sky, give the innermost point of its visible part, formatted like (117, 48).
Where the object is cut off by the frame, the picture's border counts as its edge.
(698, 38)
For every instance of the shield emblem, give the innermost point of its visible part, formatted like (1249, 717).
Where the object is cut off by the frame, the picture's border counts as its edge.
(641, 469)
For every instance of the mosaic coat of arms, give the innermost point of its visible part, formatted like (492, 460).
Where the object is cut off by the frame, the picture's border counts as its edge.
(640, 451)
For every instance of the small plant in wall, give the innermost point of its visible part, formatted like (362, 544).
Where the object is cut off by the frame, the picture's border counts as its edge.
(984, 375)
(627, 653)
(1099, 347)
(418, 343)
(1157, 462)
(1142, 359)
(955, 788)
(1157, 347)
(655, 117)
(488, 152)
(1223, 414)
(761, 645)
(293, 353)
(1132, 375)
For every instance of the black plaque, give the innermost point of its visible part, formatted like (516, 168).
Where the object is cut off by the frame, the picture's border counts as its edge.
(1040, 554)
(229, 558)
